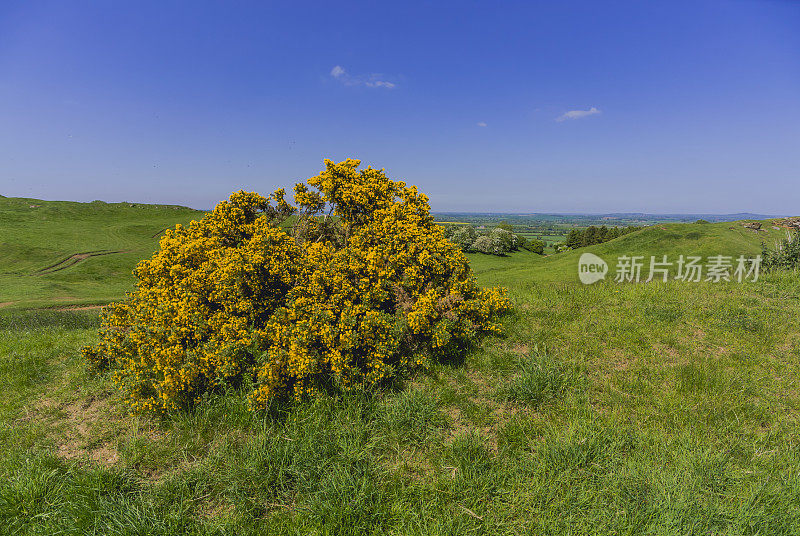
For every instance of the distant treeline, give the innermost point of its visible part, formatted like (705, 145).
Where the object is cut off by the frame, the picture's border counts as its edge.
(592, 235)
(498, 240)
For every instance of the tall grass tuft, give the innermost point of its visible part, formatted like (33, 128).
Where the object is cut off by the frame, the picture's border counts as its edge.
(540, 378)
(413, 415)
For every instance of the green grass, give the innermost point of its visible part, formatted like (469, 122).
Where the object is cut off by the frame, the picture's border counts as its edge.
(671, 239)
(38, 235)
(540, 379)
(660, 408)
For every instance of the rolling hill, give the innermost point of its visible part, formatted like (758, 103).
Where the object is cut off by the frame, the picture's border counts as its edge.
(69, 253)
(674, 239)
(61, 253)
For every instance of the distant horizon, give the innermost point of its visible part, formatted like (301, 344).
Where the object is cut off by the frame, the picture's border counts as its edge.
(174, 200)
(614, 213)
(457, 212)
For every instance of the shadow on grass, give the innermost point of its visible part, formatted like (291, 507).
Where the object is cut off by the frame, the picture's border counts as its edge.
(27, 319)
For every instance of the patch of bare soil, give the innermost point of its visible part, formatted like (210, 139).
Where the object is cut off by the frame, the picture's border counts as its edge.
(410, 464)
(619, 360)
(520, 349)
(668, 354)
(460, 425)
(79, 308)
(77, 419)
(213, 509)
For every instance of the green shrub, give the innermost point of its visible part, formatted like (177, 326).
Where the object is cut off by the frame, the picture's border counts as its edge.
(786, 254)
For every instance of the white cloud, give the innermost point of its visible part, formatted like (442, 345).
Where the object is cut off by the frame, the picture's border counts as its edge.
(481, 124)
(374, 80)
(577, 114)
(338, 71)
(381, 83)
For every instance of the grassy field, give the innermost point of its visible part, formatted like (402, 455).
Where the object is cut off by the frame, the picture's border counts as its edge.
(660, 408)
(674, 239)
(76, 253)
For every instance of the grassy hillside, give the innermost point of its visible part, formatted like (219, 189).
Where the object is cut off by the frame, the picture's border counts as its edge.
(673, 239)
(66, 253)
(659, 408)
(60, 252)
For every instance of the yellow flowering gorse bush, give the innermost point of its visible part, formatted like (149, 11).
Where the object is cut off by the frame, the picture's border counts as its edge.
(350, 286)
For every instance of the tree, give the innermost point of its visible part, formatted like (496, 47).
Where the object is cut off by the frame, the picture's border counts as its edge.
(535, 246)
(464, 237)
(589, 236)
(602, 234)
(503, 241)
(574, 239)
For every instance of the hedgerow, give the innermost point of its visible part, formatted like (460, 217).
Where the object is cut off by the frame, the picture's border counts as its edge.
(351, 286)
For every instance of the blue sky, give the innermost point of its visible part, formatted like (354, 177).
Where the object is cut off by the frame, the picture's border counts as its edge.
(516, 107)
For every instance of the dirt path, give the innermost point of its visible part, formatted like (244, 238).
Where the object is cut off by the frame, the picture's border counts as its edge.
(74, 259)
(79, 308)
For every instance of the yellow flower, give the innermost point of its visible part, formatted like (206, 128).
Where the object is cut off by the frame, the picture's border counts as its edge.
(351, 286)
